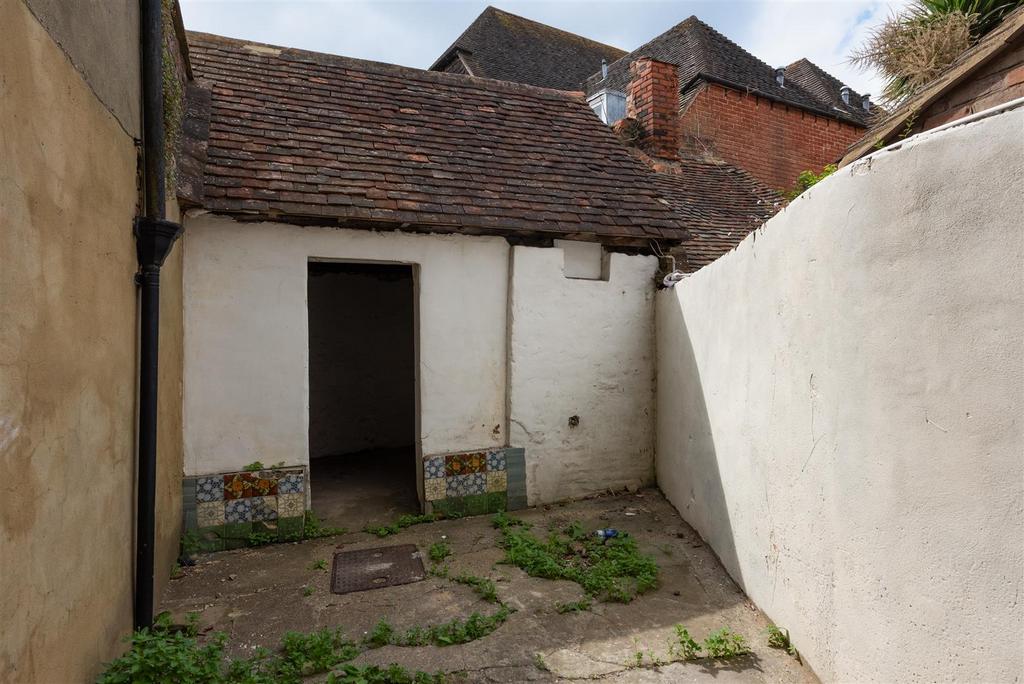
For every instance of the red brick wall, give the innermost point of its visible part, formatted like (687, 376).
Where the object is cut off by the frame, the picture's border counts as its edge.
(999, 81)
(653, 100)
(771, 141)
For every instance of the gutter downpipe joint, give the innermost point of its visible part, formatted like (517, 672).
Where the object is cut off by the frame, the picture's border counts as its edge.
(154, 238)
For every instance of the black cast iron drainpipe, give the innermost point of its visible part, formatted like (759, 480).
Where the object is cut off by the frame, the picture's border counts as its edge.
(154, 237)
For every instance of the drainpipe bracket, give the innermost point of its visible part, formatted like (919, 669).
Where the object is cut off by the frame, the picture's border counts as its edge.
(153, 241)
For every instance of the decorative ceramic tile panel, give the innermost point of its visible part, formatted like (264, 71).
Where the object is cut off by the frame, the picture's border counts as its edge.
(497, 481)
(237, 511)
(470, 483)
(433, 467)
(293, 483)
(434, 488)
(264, 508)
(224, 509)
(461, 464)
(210, 488)
(291, 505)
(210, 513)
(496, 460)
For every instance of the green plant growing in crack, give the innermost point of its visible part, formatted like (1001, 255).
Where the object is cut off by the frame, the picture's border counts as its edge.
(450, 633)
(402, 523)
(438, 551)
(319, 564)
(372, 674)
(724, 644)
(573, 606)
(778, 638)
(684, 647)
(484, 588)
(609, 570)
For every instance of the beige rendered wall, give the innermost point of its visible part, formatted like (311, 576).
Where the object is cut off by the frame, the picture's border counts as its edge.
(67, 359)
(839, 411)
(582, 348)
(246, 345)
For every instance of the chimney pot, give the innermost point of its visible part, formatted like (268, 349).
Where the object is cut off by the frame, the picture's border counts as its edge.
(604, 69)
(844, 93)
(780, 76)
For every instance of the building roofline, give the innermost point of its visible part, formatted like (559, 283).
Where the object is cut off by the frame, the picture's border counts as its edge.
(965, 65)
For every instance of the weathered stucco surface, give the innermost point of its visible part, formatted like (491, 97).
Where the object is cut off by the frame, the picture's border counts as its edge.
(102, 40)
(67, 364)
(839, 411)
(246, 348)
(582, 348)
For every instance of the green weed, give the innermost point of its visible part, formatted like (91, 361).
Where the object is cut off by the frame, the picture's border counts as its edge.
(371, 674)
(725, 644)
(254, 466)
(573, 606)
(457, 631)
(611, 571)
(483, 587)
(778, 638)
(439, 551)
(307, 591)
(685, 647)
(402, 523)
(319, 564)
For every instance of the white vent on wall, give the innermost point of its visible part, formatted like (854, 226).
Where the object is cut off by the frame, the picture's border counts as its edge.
(609, 105)
(582, 260)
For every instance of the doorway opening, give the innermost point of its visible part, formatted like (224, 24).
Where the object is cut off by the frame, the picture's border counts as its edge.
(362, 392)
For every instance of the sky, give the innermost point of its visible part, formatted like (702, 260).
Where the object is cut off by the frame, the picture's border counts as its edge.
(415, 32)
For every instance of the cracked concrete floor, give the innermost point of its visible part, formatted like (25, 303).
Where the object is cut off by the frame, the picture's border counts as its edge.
(255, 595)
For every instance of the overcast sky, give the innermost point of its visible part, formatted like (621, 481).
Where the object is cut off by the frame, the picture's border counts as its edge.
(416, 33)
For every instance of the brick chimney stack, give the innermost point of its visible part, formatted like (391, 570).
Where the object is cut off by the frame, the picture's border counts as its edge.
(653, 100)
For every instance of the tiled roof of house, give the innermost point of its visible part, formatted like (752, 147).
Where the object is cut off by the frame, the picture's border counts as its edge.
(308, 137)
(511, 48)
(702, 53)
(718, 203)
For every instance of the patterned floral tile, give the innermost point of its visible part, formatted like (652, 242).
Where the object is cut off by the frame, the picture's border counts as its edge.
(238, 486)
(210, 488)
(464, 485)
(264, 485)
(292, 483)
(238, 510)
(434, 488)
(433, 467)
(291, 505)
(210, 513)
(461, 464)
(496, 459)
(264, 508)
(497, 481)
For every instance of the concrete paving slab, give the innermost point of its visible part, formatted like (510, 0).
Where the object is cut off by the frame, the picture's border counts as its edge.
(255, 595)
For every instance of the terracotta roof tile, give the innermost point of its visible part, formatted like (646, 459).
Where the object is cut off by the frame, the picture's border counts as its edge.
(305, 134)
(719, 204)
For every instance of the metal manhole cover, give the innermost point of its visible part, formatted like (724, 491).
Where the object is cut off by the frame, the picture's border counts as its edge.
(385, 566)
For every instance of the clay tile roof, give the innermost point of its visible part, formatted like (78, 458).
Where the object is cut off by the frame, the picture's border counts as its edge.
(718, 203)
(507, 47)
(302, 135)
(702, 53)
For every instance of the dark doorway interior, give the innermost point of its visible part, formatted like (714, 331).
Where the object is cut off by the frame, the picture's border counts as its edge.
(362, 392)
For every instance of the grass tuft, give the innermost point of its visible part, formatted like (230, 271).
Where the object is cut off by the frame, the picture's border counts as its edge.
(613, 570)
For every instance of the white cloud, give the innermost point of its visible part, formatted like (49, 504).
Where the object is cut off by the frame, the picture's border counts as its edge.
(824, 32)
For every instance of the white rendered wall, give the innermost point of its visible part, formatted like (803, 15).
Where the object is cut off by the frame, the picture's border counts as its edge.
(582, 348)
(840, 411)
(246, 346)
